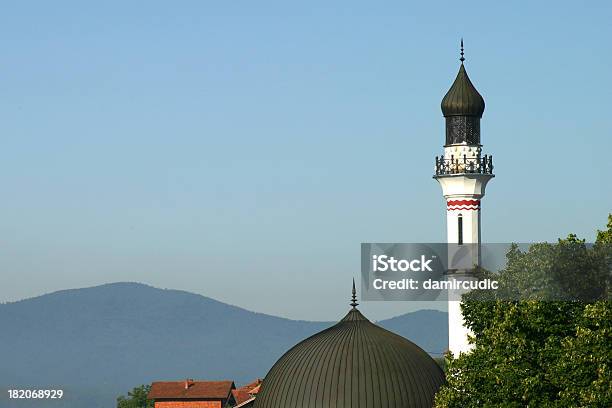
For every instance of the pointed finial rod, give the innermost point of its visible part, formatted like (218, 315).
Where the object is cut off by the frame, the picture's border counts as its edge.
(354, 298)
(462, 57)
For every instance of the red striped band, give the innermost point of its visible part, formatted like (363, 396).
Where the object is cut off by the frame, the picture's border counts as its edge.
(463, 205)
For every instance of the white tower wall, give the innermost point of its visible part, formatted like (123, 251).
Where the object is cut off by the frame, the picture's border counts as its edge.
(463, 192)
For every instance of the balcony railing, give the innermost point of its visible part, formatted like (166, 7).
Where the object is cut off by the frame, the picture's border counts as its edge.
(464, 165)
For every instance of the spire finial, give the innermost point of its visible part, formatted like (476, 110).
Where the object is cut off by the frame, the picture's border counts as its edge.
(354, 298)
(462, 57)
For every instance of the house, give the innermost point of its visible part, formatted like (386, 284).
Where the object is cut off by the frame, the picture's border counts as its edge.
(193, 394)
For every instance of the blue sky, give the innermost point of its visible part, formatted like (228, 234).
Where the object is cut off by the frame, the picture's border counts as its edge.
(244, 150)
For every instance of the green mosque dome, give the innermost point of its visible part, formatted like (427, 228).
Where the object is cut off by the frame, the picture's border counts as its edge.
(355, 364)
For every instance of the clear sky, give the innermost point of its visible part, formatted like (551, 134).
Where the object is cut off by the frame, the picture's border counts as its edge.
(243, 150)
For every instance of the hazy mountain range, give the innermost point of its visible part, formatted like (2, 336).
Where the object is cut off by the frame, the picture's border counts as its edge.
(97, 343)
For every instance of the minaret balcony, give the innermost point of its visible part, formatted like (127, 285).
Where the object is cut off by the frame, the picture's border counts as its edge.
(464, 165)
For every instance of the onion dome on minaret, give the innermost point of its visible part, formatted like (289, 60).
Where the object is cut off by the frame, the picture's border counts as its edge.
(355, 364)
(462, 106)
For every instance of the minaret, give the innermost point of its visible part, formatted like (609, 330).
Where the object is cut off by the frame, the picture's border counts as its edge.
(463, 172)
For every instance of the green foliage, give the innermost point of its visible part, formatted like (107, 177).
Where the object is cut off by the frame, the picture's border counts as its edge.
(535, 353)
(137, 398)
(583, 370)
(605, 237)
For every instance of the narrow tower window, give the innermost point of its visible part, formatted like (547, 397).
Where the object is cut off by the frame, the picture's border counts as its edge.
(460, 229)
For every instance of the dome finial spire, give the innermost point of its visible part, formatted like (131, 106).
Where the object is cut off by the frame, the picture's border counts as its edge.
(462, 99)
(354, 297)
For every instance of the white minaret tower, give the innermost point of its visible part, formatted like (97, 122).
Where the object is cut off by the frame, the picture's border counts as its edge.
(463, 172)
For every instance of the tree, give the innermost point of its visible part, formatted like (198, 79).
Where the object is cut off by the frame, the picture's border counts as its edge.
(605, 236)
(537, 353)
(137, 398)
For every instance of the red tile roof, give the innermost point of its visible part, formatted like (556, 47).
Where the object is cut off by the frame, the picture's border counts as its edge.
(243, 394)
(255, 390)
(252, 385)
(189, 389)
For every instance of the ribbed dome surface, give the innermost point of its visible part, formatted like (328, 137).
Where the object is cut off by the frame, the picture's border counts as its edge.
(353, 364)
(462, 99)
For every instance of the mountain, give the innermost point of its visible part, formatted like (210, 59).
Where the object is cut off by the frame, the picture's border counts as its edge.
(97, 343)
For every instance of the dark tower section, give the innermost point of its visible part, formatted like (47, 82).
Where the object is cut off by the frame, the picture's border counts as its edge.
(462, 107)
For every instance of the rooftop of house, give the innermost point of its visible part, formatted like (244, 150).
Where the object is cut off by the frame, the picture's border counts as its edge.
(191, 389)
(246, 392)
